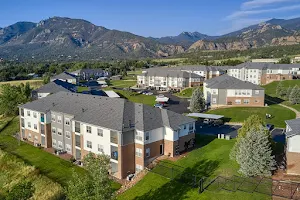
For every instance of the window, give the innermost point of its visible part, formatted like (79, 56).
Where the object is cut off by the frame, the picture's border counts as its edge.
(138, 152)
(35, 126)
(100, 148)
(22, 112)
(68, 134)
(34, 115)
(256, 91)
(248, 92)
(77, 127)
(100, 132)
(191, 127)
(139, 136)
(214, 100)
(54, 130)
(148, 152)
(29, 135)
(67, 121)
(54, 143)
(89, 144)
(147, 136)
(184, 126)
(214, 91)
(246, 101)
(28, 113)
(88, 129)
(59, 131)
(29, 125)
(237, 101)
(60, 145)
(138, 168)
(53, 118)
(68, 148)
(59, 119)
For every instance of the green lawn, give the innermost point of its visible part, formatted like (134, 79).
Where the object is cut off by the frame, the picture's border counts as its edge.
(186, 93)
(81, 89)
(122, 83)
(209, 161)
(49, 165)
(36, 83)
(239, 114)
(137, 98)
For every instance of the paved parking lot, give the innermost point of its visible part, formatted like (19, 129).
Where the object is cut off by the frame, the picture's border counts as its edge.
(211, 130)
(177, 104)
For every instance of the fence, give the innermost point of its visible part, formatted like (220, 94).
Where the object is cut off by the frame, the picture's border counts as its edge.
(267, 186)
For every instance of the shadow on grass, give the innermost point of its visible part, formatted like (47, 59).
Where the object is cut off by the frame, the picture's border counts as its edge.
(180, 185)
(273, 100)
(203, 140)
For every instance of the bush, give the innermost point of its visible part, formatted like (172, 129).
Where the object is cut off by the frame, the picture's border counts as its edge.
(22, 191)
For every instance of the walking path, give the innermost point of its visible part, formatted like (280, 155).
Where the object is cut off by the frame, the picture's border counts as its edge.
(288, 107)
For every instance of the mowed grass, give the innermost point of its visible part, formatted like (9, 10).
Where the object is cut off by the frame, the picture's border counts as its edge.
(14, 170)
(239, 114)
(81, 89)
(209, 161)
(121, 84)
(33, 83)
(137, 98)
(186, 93)
(55, 168)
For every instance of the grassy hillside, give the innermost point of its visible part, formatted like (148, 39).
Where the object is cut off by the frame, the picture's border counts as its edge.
(33, 83)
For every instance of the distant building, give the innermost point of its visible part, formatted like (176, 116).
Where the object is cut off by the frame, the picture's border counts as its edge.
(87, 74)
(293, 146)
(66, 77)
(116, 77)
(296, 59)
(226, 90)
(266, 60)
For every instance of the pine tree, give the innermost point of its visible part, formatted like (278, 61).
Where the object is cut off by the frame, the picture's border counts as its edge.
(197, 103)
(288, 92)
(254, 154)
(294, 97)
(280, 91)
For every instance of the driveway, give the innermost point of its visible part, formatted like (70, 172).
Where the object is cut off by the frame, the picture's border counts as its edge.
(211, 130)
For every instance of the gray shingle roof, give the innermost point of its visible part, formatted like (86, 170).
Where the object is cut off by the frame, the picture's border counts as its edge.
(265, 66)
(169, 72)
(294, 124)
(56, 86)
(112, 113)
(202, 68)
(229, 82)
(64, 76)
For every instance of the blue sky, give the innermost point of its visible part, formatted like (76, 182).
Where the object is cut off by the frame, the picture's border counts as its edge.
(154, 17)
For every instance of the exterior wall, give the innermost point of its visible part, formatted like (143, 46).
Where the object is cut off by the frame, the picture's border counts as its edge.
(293, 163)
(184, 139)
(293, 144)
(126, 161)
(253, 101)
(269, 78)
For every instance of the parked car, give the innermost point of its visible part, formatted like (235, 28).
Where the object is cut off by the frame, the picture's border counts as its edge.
(160, 96)
(218, 122)
(270, 127)
(149, 93)
(159, 105)
(207, 121)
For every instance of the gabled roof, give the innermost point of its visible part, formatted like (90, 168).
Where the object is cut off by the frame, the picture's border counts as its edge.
(64, 76)
(228, 82)
(169, 72)
(265, 66)
(294, 124)
(56, 86)
(112, 113)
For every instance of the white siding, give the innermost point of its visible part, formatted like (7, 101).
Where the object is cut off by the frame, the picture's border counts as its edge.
(293, 144)
(32, 120)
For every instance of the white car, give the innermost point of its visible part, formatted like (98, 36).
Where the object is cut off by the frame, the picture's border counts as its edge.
(149, 93)
(160, 96)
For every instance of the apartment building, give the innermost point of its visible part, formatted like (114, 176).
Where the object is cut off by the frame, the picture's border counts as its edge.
(264, 73)
(230, 91)
(132, 134)
(293, 146)
(207, 72)
(87, 74)
(168, 78)
(66, 77)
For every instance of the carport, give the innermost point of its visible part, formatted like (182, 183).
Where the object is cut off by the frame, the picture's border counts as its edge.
(206, 116)
(162, 100)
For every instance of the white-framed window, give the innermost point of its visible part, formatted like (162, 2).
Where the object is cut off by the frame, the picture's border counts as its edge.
(100, 132)
(68, 148)
(29, 135)
(58, 119)
(148, 152)
(68, 134)
(248, 91)
(28, 113)
(214, 91)
(139, 136)
(214, 100)
(147, 136)
(34, 115)
(88, 129)
(54, 130)
(54, 143)
(100, 148)
(29, 125)
(35, 126)
(138, 152)
(59, 131)
(60, 144)
(138, 168)
(256, 91)
(53, 118)
(89, 144)
(67, 121)
(246, 101)
(237, 101)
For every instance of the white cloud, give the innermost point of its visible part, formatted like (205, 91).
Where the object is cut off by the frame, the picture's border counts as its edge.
(261, 3)
(245, 13)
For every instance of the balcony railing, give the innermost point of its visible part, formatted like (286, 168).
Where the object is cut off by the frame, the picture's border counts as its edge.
(77, 143)
(77, 129)
(114, 140)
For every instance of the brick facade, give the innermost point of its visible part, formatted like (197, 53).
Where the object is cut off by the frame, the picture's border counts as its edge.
(184, 139)
(293, 163)
(253, 101)
(269, 78)
(126, 160)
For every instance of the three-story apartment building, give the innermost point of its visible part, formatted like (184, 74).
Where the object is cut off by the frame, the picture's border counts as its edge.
(132, 134)
(229, 91)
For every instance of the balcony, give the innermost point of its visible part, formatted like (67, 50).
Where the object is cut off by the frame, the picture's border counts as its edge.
(114, 137)
(42, 119)
(77, 141)
(114, 153)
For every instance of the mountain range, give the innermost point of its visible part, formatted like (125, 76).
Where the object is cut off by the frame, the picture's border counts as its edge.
(60, 38)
